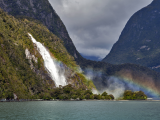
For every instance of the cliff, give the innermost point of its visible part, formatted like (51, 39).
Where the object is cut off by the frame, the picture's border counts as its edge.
(42, 11)
(139, 40)
(22, 68)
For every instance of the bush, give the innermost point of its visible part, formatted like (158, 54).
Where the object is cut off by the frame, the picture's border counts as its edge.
(98, 97)
(111, 96)
(91, 97)
(95, 96)
(45, 96)
(87, 96)
(107, 97)
(9, 95)
(129, 95)
(82, 97)
(88, 92)
(140, 96)
(104, 94)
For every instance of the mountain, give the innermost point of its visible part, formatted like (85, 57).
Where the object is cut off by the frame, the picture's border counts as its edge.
(23, 69)
(94, 58)
(139, 42)
(41, 10)
(29, 16)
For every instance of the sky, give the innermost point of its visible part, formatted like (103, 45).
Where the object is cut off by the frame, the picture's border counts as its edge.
(95, 25)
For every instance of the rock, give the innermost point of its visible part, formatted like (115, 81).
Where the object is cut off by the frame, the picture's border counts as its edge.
(133, 37)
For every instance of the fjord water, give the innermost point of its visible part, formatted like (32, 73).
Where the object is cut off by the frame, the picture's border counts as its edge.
(80, 110)
(50, 64)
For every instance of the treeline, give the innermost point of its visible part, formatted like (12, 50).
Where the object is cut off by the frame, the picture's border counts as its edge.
(69, 92)
(129, 95)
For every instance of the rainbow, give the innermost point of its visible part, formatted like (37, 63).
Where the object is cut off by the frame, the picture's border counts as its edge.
(146, 88)
(139, 80)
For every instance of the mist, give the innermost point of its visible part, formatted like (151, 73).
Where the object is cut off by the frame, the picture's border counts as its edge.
(116, 85)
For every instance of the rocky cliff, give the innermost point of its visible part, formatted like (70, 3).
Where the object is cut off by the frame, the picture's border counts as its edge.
(42, 11)
(22, 69)
(139, 42)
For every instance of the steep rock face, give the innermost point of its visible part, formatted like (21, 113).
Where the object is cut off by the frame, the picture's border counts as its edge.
(139, 42)
(22, 69)
(42, 11)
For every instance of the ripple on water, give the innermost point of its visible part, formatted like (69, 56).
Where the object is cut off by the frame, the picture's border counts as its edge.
(80, 110)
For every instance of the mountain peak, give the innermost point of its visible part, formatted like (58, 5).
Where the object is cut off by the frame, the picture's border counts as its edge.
(155, 3)
(43, 12)
(139, 40)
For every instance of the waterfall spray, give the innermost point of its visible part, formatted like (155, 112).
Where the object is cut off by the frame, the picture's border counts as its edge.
(52, 68)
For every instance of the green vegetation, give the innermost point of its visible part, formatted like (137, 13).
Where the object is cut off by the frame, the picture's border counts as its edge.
(44, 13)
(130, 52)
(16, 74)
(129, 95)
(69, 92)
(51, 41)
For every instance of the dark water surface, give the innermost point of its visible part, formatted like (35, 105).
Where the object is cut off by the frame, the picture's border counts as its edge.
(80, 110)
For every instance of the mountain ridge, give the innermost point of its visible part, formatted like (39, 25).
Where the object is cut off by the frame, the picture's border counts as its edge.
(22, 70)
(139, 40)
(102, 72)
(41, 10)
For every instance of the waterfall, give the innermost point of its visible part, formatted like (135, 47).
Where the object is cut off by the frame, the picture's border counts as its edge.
(54, 69)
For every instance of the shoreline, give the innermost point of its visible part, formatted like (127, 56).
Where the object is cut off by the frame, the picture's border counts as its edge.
(29, 100)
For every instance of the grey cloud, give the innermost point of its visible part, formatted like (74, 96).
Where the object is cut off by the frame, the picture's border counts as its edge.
(95, 25)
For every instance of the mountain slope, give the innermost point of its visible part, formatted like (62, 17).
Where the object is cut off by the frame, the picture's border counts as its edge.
(102, 72)
(139, 40)
(42, 11)
(22, 68)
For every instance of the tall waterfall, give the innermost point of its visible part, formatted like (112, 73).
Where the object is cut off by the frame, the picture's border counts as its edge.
(51, 66)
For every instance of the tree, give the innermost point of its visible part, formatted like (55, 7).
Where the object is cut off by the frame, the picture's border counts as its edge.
(104, 94)
(128, 95)
(91, 96)
(82, 97)
(111, 96)
(9, 95)
(102, 97)
(88, 92)
(140, 96)
(64, 97)
(107, 97)
(95, 96)
(67, 89)
(87, 96)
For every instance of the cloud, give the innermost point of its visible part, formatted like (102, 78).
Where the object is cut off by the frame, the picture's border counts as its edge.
(95, 25)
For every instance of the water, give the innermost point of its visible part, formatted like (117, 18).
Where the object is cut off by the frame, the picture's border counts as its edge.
(80, 110)
(50, 64)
